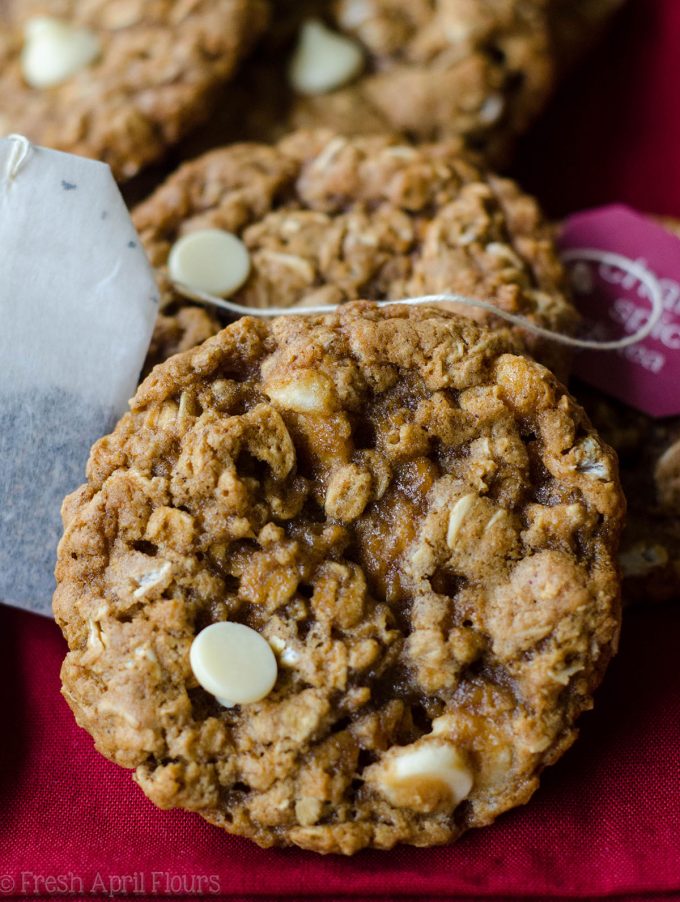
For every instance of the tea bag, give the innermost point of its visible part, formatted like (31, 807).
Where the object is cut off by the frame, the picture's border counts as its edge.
(78, 303)
(645, 375)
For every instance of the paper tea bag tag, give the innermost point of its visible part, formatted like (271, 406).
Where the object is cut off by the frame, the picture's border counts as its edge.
(78, 303)
(645, 375)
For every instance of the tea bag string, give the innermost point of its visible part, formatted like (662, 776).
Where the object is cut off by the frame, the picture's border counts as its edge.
(21, 150)
(607, 258)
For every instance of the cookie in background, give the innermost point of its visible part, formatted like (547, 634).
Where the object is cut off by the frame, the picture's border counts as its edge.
(649, 463)
(321, 219)
(118, 80)
(478, 71)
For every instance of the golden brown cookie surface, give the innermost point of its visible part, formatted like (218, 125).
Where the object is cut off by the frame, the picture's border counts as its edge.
(151, 75)
(422, 525)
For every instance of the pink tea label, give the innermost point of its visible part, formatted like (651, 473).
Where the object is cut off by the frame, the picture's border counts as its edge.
(615, 303)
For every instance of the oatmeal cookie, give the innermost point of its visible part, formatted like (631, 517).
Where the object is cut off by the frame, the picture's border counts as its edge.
(649, 456)
(419, 524)
(118, 80)
(327, 219)
(476, 70)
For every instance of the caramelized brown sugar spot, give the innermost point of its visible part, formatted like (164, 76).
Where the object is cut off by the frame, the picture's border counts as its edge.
(422, 524)
(327, 219)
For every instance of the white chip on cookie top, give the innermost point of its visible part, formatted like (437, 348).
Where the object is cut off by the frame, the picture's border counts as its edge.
(210, 260)
(429, 775)
(55, 50)
(323, 60)
(234, 663)
(305, 392)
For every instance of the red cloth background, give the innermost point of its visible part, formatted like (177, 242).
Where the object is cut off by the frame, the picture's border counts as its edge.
(606, 821)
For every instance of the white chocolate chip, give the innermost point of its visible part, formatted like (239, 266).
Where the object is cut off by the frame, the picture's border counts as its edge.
(303, 392)
(427, 776)
(210, 260)
(323, 60)
(54, 51)
(234, 663)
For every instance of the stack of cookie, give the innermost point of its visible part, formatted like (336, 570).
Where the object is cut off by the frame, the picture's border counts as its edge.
(346, 579)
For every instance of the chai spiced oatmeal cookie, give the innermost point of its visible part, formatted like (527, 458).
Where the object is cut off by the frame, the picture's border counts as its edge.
(649, 456)
(412, 527)
(118, 80)
(325, 219)
(475, 70)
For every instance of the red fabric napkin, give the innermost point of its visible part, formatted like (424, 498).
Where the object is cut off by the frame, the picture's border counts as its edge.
(606, 821)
